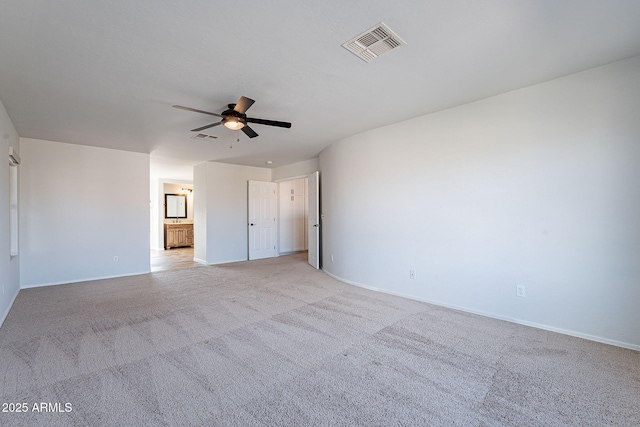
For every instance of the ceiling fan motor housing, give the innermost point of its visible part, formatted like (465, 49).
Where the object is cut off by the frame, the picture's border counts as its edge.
(233, 116)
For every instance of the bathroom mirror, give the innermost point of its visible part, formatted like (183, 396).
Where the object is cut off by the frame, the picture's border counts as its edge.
(175, 206)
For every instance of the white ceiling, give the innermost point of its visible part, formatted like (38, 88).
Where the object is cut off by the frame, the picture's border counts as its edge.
(105, 73)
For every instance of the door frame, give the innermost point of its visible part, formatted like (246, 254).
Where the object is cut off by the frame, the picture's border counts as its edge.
(316, 227)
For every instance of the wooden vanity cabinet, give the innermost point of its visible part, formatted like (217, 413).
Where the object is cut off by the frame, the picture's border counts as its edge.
(178, 235)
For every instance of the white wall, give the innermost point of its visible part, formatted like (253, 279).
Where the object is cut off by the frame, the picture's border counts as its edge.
(156, 215)
(80, 206)
(201, 213)
(536, 187)
(295, 170)
(9, 265)
(221, 203)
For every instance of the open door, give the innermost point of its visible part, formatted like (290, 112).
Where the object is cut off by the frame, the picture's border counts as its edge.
(263, 208)
(314, 219)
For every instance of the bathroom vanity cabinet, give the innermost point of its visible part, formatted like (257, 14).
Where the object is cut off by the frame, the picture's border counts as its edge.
(178, 235)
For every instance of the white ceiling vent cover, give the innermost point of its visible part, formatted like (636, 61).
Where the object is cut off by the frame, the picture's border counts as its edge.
(203, 136)
(374, 42)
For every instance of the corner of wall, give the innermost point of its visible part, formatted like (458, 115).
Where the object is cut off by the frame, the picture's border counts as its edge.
(9, 265)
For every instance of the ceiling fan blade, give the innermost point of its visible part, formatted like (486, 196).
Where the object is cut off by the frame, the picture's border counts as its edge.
(206, 127)
(243, 104)
(249, 132)
(196, 111)
(268, 122)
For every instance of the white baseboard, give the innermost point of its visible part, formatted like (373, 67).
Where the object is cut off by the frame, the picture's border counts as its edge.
(6, 312)
(200, 261)
(291, 252)
(496, 316)
(228, 262)
(88, 279)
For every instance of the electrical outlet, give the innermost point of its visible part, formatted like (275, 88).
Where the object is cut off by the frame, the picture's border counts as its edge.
(520, 291)
(116, 259)
(412, 274)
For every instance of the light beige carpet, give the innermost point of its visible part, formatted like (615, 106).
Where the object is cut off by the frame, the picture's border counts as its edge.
(277, 343)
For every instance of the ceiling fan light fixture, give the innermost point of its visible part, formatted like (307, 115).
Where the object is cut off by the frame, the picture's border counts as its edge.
(233, 123)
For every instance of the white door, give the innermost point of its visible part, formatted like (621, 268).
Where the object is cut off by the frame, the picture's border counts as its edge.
(314, 219)
(262, 219)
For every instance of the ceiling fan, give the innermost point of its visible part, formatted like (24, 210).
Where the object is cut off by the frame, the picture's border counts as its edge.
(234, 118)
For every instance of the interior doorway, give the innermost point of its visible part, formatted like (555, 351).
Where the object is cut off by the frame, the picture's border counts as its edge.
(293, 208)
(299, 217)
(181, 225)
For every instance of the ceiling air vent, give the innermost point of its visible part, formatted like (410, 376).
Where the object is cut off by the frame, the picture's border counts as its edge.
(374, 42)
(203, 136)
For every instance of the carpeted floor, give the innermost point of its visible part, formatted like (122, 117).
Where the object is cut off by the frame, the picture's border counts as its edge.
(277, 343)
